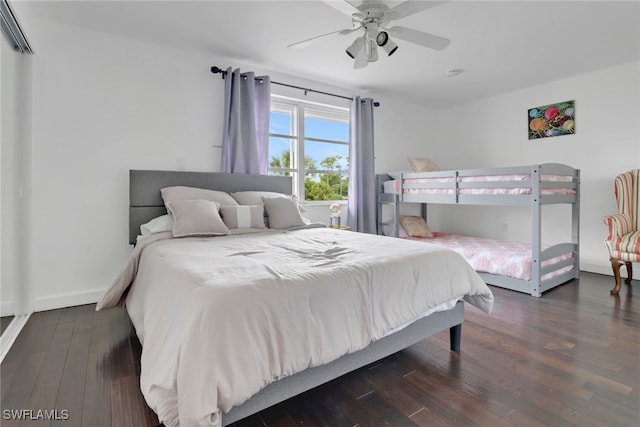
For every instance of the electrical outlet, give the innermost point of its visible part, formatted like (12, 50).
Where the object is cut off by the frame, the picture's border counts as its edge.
(180, 163)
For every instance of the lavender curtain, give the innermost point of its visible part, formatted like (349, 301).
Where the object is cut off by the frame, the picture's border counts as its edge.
(245, 133)
(362, 179)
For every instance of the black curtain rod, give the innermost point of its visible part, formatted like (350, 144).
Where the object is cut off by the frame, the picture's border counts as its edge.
(218, 70)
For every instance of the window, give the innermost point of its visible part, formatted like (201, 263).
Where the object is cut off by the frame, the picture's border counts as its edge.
(310, 142)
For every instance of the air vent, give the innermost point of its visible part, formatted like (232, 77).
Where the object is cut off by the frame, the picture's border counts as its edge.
(11, 29)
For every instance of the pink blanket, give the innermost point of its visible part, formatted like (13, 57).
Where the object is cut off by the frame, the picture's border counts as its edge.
(512, 259)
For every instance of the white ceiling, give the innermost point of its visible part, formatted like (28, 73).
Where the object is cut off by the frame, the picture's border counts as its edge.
(502, 45)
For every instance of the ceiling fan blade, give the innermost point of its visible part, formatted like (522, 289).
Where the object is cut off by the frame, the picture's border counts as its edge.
(307, 42)
(342, 6)
(418, 37)
(410, 7)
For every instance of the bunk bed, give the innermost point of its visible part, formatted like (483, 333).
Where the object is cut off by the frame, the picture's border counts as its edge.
(530, 186)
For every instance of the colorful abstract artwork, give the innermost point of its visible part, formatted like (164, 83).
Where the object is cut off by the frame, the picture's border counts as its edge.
(552, 120)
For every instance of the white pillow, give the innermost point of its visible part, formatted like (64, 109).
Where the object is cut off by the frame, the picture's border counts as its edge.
(172, 194)
(196, 218)
(243, 216)
(283, 212)
(157, 225)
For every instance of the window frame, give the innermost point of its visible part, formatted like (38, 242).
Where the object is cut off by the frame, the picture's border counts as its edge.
(299, 109)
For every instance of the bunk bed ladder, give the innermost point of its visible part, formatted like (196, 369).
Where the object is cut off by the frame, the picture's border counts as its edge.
(575, 226)
(536, 226)
(379, 192)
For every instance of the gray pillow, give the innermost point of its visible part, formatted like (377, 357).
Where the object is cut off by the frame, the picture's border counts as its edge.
(243, 216)
(196, 218)
(283, 212)
(171, 194)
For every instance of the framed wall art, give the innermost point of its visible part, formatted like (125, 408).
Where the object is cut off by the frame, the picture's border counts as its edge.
(552, 120)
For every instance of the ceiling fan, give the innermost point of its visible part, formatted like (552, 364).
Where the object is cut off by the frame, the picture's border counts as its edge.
(373, 17)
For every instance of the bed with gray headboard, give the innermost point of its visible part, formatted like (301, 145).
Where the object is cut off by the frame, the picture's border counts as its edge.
(146, 203)
(145, 200)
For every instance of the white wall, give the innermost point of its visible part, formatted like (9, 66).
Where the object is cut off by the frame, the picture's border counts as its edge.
(104, 105)
(493, 132)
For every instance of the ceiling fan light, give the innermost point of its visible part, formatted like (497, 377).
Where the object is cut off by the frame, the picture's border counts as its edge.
(384, 41)
(390, 47)
(355, 47)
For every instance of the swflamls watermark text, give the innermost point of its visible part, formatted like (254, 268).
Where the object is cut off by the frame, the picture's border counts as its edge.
(35, 414)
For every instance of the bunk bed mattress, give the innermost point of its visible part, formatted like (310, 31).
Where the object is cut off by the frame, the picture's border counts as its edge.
(221, 317)
(500, 257)
(394, 186)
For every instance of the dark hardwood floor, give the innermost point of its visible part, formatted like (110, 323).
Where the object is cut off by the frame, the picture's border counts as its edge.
(570, 358)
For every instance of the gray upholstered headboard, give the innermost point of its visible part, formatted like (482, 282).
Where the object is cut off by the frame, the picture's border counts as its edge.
(145, 200)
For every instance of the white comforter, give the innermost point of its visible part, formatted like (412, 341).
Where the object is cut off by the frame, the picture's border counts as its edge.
(220, 318)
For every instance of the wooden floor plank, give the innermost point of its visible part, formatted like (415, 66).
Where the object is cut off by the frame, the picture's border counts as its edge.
(96, 409)
(45, 391)
(71, 392)
(569, 358)
(12, 364)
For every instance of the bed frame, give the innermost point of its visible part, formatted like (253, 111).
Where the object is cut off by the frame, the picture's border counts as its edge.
(146, 203)
(535, 200)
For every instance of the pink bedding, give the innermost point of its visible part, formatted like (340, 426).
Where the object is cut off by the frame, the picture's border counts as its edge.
(501, 257)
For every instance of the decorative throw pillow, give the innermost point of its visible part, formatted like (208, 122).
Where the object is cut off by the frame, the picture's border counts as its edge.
(419, 164)
(243, 216)
(172, 194)
(415, 226)
(283, 212)
(196, 218)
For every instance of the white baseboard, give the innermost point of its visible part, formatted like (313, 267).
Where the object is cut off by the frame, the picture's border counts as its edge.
(70, 299)
(6, 308)
(602, 269)
(596, 268)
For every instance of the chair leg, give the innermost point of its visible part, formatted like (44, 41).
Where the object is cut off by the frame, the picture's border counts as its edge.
(615, 265)
(629, 273)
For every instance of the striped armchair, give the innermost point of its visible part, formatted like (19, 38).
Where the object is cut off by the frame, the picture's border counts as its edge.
(623, 240)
